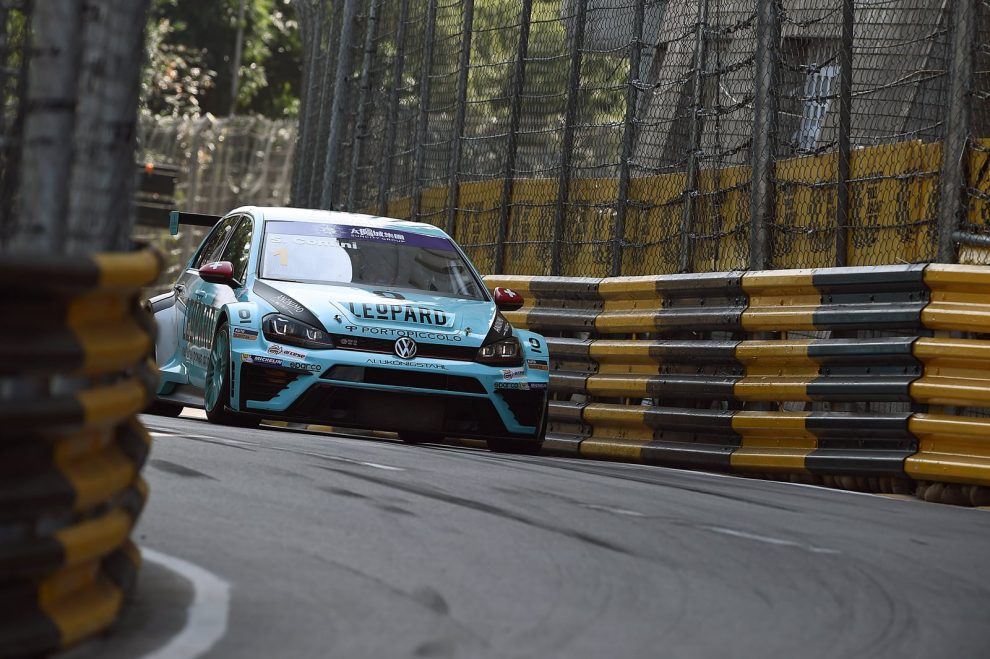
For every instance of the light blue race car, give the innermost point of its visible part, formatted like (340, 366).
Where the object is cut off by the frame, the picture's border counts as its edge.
(346, 320)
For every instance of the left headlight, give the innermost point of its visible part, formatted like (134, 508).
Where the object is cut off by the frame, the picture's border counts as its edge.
(501, 353)
(282, 329)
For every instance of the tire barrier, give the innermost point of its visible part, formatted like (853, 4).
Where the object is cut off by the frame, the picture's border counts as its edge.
(869, 378)
(74, 373)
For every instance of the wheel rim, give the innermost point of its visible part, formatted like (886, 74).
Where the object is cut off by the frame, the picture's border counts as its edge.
(216, 370)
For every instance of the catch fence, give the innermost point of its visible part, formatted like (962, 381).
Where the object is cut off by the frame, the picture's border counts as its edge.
(606, 137)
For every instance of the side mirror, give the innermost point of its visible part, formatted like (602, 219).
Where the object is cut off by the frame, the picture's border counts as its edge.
(220, 272)
(507, 299)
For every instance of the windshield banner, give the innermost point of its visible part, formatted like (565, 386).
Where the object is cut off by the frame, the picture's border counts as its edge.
(345, 232)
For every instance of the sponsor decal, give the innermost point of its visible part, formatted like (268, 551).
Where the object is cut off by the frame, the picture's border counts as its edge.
(499, 330)
(537, 365)
(284, 301)
(418, 334)
(261, 359)
(298, 366)
(286, 352)
(377, 234)
(245, 334)
(512, 373)
(520, 386)
(272, 361)
(406, 313)
(402, 362)
(345, 341)
(350, 328)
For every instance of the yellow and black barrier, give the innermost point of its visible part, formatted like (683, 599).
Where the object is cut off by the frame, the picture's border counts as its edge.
(76, 371)
(874, 378)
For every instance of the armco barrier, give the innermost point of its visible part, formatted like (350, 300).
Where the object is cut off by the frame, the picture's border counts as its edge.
(873, 378)
(74, 372)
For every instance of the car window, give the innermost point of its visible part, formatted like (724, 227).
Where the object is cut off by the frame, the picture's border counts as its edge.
(335, 253)
(239, 248)
(210, 250)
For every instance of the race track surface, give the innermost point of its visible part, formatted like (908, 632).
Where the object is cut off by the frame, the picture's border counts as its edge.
(353, 547)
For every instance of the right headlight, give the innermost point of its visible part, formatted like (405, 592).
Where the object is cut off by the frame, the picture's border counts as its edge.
(501, 353)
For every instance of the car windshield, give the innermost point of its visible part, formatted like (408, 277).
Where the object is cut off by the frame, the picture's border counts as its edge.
(324, 253)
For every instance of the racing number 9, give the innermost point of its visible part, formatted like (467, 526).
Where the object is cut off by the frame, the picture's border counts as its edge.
(535, 345)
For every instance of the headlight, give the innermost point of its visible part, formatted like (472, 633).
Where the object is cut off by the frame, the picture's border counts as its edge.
(282, 329)
(501, 353)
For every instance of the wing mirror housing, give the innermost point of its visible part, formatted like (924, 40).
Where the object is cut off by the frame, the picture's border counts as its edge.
(507, 299)
(219, 272)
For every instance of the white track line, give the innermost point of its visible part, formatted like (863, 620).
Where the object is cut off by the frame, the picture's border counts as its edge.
(206, 622)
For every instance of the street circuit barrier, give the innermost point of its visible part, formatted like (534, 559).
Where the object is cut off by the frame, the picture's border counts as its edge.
(867, 378)
(74, 373)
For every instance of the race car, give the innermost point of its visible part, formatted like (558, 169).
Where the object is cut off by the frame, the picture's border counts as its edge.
(348, 320)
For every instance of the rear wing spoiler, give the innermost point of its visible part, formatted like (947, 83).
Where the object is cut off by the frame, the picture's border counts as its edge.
(175, 218)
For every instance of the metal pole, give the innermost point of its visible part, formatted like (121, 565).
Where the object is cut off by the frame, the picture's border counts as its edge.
(338, 108)
(331, 25)
(310, 25)
(236, 65)
(393, 109)
(453, 175)
(422, 125)
(567, 147)
(361, 130)
(518, 82)
(957, 129)
(845, 136)
(761, 204)
(628, 133)
(691, 184)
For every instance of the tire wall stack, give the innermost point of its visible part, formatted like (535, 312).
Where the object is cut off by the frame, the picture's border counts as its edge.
(74, 373)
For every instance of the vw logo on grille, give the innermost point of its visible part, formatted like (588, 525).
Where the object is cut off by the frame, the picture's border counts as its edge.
(405, 347)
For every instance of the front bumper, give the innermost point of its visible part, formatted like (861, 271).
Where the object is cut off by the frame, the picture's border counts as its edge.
(382, 392)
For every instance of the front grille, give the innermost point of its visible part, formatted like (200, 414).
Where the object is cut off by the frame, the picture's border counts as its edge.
(261, 383)
(403, 378)
(379, 409)
(386, 347)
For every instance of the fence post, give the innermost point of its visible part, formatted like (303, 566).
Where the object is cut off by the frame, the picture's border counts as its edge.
(842, 200)
(310, 25)
(423, 123)
(361, 127)
(332, 26)
(393, 109)
(454, 180)
(515, 110)
(628, 134)
(567, 146)
(957, 128)
(761, 203)
(697, 98)
(337, 109)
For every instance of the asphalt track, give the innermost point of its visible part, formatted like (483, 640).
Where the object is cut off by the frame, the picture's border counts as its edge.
(349, 547)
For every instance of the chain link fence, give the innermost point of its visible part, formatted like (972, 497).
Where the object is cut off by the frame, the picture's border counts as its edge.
(223, 163)
(604, 137)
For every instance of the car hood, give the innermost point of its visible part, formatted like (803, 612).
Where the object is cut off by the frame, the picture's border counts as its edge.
(351, 308)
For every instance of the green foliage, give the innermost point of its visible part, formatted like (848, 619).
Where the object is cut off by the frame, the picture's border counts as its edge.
(191, 54)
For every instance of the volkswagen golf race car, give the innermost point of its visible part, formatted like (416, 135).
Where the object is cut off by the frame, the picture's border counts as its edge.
(347, 320)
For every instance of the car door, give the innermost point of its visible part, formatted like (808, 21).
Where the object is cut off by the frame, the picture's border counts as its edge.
(207, 300)
(189, 295)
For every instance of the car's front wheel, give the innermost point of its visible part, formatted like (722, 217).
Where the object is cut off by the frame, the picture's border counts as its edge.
(216, 393)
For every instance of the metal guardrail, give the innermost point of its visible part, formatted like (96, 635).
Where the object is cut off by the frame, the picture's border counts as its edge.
(871, 378)
(75, 370)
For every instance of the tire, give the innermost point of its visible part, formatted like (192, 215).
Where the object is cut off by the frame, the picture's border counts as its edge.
(163, 408)
(410, 437)
(216, 391)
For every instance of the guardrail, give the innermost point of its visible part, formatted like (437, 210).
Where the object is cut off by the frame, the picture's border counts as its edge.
(74, 372)
(870, 378)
